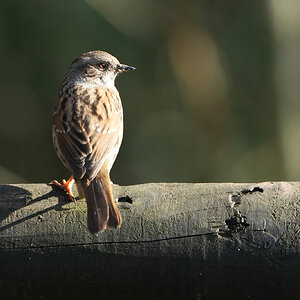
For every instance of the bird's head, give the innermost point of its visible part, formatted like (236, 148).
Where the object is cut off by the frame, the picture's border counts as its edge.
(97, 68)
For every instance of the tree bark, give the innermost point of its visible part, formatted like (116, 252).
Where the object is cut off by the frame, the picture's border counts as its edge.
(179, 240)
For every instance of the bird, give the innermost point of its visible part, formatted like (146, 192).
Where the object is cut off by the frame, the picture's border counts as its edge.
(87, 133)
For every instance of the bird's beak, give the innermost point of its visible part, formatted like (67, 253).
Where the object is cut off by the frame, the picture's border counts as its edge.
(124, 68)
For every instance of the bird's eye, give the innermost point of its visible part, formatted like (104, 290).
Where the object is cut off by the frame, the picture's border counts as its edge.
(102, 66)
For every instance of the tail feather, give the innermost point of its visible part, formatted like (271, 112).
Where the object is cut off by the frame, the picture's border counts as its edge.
(114, 219)
(97, 208)
(101, 209)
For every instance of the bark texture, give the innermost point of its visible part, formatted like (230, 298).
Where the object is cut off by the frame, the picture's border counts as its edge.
(177, 240)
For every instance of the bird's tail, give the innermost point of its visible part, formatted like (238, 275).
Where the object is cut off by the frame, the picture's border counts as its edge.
(101, 208)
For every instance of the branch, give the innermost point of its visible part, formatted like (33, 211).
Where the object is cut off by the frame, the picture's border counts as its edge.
(208, 238)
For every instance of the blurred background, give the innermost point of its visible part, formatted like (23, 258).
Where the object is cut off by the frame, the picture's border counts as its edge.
(215, 96)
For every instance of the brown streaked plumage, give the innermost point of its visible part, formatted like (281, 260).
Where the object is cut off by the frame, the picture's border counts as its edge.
(88, 131)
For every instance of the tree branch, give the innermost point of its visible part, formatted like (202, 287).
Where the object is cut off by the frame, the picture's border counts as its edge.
(212, 239)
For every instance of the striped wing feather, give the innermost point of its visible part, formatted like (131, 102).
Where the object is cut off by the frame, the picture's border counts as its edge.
(87, 130)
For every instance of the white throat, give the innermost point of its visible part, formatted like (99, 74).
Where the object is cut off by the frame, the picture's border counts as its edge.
(109, 84)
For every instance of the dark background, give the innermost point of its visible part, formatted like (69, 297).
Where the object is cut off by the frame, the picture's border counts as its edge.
(214, 96)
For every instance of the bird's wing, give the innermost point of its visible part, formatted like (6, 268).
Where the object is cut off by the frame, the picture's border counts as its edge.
(88, 132)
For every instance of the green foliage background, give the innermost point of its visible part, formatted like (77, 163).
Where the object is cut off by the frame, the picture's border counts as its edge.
(214, 96)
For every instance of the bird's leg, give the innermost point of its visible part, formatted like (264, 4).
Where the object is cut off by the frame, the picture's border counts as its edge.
(66, 186)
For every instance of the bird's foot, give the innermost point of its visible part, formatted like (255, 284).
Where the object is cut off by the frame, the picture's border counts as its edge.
(66, 186)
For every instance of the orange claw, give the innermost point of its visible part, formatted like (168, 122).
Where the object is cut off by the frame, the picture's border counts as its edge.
(66, 186)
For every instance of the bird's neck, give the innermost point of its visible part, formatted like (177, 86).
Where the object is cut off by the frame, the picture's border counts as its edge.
(87, 83)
